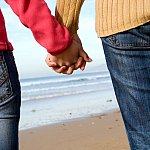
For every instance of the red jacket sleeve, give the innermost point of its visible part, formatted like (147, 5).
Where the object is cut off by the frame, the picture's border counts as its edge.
(36, 15)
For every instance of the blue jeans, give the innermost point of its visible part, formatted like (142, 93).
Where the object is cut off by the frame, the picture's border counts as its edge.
(128, 60)
(10, 99)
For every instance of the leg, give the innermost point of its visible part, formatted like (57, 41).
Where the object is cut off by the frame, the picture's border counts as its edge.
(128, 60)
(10, 99)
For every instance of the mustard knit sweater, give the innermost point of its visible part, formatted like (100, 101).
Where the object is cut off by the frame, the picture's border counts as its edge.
(112, 16)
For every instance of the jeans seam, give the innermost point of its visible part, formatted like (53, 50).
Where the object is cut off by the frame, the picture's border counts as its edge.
(140, 45)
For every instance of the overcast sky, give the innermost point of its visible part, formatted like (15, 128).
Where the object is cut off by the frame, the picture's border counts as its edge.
(30, 56)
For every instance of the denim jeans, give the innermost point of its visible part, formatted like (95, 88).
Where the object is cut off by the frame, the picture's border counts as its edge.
(128, 59)
(10, 99)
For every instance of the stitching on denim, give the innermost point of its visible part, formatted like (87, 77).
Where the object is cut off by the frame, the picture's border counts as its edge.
(7, 78)
(118, 44)
(3, 77)
(112, 40)
(143, 44)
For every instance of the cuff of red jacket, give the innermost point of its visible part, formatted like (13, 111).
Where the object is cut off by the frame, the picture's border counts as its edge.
(61, 49)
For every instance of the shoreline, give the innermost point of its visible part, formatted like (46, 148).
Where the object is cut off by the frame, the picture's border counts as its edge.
(45, 112)
(96, 132)
(105, 113)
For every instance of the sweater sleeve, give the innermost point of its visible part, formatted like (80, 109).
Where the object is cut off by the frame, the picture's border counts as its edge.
(67, 13)
(46, 30)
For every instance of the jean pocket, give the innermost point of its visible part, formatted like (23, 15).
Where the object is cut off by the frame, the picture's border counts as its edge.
(5, 85)
(136, 38)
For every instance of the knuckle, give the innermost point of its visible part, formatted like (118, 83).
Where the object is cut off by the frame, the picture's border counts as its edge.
(68, 64)
(61, 63)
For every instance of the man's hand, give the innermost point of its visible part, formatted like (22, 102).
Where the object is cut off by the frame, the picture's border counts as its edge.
(71, 59)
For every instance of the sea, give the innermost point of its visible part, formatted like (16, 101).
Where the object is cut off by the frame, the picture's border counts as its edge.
(56, 99)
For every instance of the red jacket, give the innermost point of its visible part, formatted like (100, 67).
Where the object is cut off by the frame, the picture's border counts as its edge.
(35, 15)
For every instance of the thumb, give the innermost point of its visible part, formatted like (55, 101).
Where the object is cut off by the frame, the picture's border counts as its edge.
(85, 56)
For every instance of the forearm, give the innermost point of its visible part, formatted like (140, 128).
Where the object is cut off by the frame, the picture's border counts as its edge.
(67, 13)
(35, 15)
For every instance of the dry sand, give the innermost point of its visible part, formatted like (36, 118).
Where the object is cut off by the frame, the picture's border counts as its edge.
(101, 132)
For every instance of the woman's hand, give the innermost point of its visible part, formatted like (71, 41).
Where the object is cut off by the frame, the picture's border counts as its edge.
(71, 59)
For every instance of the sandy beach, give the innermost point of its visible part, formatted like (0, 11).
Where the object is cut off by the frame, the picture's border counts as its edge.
(101, 132)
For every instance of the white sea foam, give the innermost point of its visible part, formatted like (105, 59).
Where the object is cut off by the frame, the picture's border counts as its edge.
(63, 87)
(55, 95)
(59, 94)
(59, 80)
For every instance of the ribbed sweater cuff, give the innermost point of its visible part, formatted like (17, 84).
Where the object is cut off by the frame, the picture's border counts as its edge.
(67, 13)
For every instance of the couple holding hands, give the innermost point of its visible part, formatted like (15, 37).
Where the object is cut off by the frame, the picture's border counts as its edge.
(124, 29)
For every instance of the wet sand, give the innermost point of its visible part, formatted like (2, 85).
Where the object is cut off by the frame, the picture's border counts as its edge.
(101, 132)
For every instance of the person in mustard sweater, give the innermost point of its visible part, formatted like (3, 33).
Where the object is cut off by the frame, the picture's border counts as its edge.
(124, 28)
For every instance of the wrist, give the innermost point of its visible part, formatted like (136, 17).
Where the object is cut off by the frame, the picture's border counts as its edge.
(54, 53)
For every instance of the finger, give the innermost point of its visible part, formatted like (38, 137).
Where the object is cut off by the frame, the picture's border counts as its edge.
(79, 63)
(85, 56)
(59, 70)
(83, 66)
(51, 64)
(69, 70)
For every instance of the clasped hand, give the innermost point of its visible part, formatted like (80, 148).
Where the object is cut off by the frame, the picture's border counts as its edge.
(71, 59)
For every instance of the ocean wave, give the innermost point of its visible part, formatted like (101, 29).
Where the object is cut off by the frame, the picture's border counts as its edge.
(63, 87)
(57, 95)
(73, 79)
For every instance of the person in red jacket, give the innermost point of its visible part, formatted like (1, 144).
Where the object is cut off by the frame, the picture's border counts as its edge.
(65, 54)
